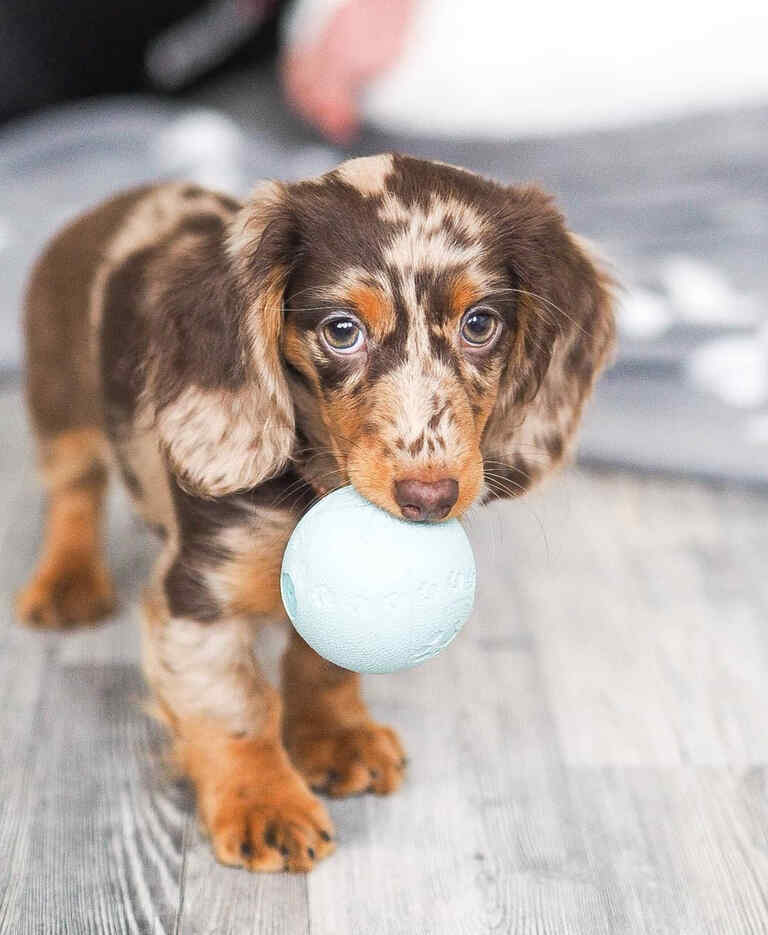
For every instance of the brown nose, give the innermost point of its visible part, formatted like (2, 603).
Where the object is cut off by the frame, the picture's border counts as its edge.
(422, 500)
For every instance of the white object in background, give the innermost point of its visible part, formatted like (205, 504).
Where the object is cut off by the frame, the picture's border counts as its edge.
(735, 369)
(644, 315)
(494, 67)
(374, 593)
(203, 146)
(702, 295)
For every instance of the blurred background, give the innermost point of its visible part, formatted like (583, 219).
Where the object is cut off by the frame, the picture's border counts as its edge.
(649, 123)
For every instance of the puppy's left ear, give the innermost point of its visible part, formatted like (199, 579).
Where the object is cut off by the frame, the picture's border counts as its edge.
(563, 336)
(217, 388)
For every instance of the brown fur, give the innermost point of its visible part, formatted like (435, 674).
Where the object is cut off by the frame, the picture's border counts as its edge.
(251, 577)
(180, 334)
(328, 731)
(62, 381)
(71, 584)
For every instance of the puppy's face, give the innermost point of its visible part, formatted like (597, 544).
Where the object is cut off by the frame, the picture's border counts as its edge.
(404, 314)
(405, 362)
(400, 317)
(423, 333)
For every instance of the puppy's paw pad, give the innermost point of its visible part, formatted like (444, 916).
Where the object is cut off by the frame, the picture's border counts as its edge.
(351, 760)
(62, 597)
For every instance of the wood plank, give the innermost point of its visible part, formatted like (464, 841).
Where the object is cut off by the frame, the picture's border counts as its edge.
(24, 664)
(676, 849)
(104, 827)
(90, 827)
(645, 663)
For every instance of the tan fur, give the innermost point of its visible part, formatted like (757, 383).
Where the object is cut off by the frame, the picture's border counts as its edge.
(328, 731)
(203, 671)
(142, 454)
(256, 807)
(70, 585)
(70, 457)
(375, 310)
(298, 351)
(424, 243)
(466, 290)
(247, 228)
(402, 404)
(250, 582)
(225, 719)
(210, 438)
(266, 411)
(368, 174)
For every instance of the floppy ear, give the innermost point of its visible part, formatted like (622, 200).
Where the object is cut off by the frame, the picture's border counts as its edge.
(217, 391)
(564, 334)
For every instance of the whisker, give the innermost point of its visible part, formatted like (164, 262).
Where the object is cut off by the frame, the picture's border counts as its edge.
(532, 458)
(551, 304)
(508, 487)
(318, 453)
(300, 292)
(295, 487)
(318, 497)
(499, 490)
(514, 470)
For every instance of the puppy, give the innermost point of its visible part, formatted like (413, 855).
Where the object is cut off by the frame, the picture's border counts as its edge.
(404, 326)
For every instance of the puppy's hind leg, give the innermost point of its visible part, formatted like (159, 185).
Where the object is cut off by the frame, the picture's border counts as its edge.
(64, 396)
(71, 584)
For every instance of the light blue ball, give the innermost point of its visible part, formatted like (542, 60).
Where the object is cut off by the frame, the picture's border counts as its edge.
(374, 593)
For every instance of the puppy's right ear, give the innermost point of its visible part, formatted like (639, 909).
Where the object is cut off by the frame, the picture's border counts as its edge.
(224, 304)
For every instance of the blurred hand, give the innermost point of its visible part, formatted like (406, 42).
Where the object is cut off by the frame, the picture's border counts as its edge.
(323, 77)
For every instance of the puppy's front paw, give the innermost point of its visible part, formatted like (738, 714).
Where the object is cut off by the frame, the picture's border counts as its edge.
(64, 595)
(267, 820)
(349, 760)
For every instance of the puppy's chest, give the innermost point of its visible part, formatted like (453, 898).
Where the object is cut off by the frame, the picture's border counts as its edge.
(248, 577)
(250, 574)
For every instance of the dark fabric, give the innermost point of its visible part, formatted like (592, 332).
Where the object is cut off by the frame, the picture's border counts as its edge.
(57, 50)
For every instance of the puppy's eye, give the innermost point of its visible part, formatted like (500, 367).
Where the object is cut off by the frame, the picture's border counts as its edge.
(343, 334)
(479, 327)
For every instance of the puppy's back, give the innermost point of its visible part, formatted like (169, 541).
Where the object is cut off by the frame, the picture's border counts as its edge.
(62, 376)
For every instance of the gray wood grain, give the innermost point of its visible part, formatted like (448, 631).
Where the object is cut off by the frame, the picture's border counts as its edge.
(91, 828)
(588, 757)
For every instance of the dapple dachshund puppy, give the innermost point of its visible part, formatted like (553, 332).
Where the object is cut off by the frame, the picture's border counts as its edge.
(401, 325)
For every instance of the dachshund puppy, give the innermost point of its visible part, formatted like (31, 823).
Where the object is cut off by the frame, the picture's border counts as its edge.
(404, 326)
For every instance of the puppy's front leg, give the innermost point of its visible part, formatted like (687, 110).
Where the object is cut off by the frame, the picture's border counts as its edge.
(328, 730)
(226, 724)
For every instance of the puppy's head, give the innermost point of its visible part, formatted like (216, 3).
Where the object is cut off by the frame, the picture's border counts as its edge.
(426, 334)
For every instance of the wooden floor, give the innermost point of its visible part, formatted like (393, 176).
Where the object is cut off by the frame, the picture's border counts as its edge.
(589, 756)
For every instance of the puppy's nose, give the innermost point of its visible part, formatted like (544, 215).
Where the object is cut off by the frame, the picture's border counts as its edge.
(426, 500)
